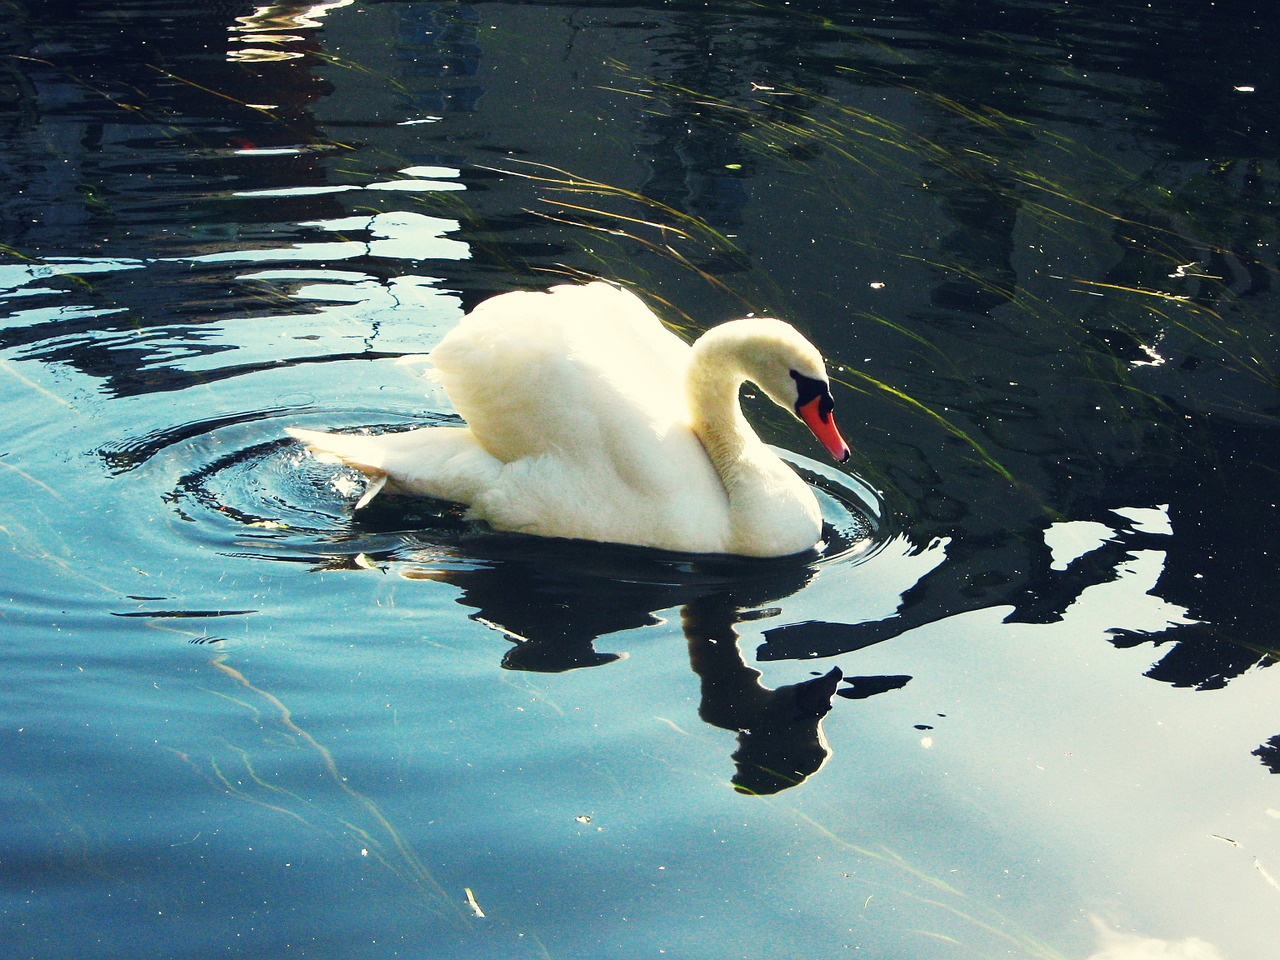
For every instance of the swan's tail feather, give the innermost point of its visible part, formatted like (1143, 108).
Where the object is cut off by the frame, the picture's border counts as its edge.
(361, 452)
(376, 481)
(445, 463)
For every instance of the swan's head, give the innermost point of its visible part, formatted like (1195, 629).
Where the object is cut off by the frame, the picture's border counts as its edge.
(788, 368)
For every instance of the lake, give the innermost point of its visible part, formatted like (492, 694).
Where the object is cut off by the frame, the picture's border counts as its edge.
(1017, 702)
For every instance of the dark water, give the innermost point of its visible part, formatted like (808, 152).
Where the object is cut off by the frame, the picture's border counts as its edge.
(1037, 243)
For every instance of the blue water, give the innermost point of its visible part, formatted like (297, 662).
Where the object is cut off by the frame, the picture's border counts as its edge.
(1037, 245)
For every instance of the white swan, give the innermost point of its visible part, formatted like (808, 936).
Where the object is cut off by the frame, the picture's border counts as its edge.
(588, 419)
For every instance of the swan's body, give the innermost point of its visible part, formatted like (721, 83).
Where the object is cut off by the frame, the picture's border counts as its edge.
(588, 419)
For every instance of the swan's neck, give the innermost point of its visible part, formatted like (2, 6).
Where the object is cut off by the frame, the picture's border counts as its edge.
(714, 378)
(771, 510)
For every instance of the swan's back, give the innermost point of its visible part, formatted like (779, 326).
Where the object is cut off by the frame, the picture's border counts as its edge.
(568, 370)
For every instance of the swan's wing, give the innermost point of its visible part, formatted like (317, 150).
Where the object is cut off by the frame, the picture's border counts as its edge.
(577, 371)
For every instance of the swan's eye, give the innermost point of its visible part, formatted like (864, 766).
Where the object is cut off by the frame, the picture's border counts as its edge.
(809, 389)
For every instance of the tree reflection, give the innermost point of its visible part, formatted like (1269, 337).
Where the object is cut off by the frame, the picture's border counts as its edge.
(1269, 754)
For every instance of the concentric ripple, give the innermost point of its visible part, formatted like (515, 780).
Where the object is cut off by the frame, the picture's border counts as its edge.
(247, 489)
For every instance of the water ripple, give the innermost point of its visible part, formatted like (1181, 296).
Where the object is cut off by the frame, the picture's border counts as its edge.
(248, 488)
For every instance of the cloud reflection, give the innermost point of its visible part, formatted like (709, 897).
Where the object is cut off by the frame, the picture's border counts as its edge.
(1114, 945)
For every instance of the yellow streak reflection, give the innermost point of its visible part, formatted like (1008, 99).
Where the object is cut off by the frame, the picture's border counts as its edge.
(400, 859)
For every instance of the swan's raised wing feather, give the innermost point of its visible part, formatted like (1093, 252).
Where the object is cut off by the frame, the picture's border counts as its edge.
(564, 372)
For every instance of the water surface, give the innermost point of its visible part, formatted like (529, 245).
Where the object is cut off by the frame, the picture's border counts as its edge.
(1017, 703)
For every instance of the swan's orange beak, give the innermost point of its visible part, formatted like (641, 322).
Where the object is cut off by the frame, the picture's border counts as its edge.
(823, 425)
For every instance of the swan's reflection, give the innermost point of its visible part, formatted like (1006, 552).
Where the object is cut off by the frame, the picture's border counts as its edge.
(559, 616)
(552, 600)
(780, 739)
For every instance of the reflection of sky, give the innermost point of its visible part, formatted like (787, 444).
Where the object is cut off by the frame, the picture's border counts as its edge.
(397, 235)
(1050, 780)
(258, 36)
(340, 304)
(418, 180)
(1117, 945)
